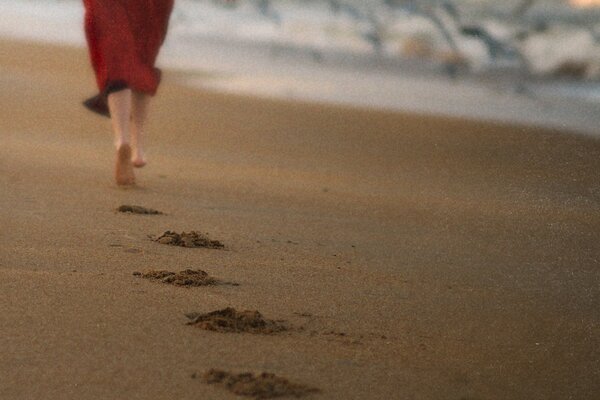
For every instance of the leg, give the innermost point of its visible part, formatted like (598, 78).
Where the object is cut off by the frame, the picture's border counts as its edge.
(139, 115)
(119, 104)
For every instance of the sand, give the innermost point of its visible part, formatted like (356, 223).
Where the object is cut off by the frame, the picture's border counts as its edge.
(230, 320)
(425, 257)
(263, 386)
(191, 239)
(186, 278)
(133, 209)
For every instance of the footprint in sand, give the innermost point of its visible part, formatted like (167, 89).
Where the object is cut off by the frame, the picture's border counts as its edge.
(138, 210)
(191, 239)
(229, 320)
(261, 386)
(185, 278)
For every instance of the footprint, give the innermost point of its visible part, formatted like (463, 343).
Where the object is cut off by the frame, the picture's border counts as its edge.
(229, 320)
(138, 210)
(191, 239)
(188, 277)
(261, 386)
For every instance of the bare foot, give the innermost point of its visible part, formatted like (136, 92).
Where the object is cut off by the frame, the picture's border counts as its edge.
(124, 168)
(138, 160)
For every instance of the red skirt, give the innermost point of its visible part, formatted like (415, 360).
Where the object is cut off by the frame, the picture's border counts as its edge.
(124, 37)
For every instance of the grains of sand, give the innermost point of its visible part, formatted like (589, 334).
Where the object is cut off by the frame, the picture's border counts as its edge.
(262, 386)
(229, 320)
(188, 277)
(189, 239)
(137, 210)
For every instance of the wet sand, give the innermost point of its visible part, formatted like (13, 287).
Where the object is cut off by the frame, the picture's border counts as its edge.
(416, 257)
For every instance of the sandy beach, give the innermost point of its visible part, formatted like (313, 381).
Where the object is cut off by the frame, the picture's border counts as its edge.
(412, 256)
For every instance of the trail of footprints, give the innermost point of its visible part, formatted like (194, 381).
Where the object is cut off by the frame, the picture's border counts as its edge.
(230, 320)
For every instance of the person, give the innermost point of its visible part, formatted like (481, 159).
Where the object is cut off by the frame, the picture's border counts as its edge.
(124, 38)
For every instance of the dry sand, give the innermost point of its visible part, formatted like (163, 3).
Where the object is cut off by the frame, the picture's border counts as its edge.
(422, 257)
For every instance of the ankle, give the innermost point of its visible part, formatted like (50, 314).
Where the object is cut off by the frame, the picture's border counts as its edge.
(121, 143)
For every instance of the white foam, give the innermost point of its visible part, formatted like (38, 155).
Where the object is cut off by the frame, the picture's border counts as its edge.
(420, 93)
(43, 21)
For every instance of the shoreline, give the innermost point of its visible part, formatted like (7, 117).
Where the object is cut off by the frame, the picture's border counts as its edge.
(238, 66)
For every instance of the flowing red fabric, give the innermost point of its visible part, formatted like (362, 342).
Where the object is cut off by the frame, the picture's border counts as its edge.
(124, 37)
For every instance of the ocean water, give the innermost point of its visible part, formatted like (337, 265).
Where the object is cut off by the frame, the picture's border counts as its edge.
(388, 30)
(396, 54)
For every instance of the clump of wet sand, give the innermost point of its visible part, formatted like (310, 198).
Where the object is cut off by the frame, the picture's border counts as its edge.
(229, 320)
(262, 386)
(188, 277)
(138, 210)
(189, 239)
